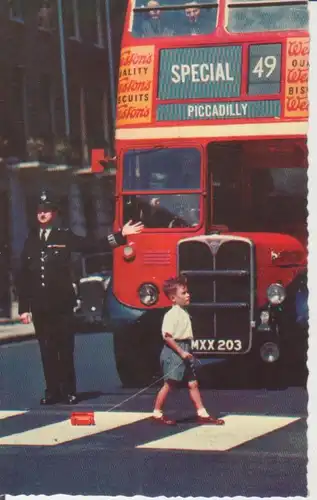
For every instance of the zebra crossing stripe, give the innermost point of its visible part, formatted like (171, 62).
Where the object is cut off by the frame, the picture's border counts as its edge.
(63, 432)
(238, 429)
(8, 414)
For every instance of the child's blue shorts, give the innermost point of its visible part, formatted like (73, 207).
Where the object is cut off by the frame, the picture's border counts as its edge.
(174, 367)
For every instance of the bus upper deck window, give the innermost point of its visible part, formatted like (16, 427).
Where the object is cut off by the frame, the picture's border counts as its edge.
(159, 18)
(252, 16)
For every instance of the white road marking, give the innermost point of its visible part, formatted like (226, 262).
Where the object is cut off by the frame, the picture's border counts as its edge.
(63, 432)
(8, 413)
(238, 429)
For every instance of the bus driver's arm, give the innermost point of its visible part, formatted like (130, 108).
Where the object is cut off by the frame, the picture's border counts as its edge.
(173, 345)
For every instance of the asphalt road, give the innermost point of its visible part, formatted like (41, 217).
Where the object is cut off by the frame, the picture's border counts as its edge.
(261, 451)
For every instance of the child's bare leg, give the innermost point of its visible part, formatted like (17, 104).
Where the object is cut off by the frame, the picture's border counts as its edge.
(159, 403)
(203, 415)
(195, 396)
(161, 397)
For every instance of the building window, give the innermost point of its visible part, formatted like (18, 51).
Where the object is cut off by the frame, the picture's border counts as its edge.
(100, 20)
(47, 111)
(19, 110)
(88, 21)
(83, 127)
(88, 205)
(71, 19)
(16, 10)
(106, 130)
(75, 117)
(63, 203)
(95, 118)
(45, 16)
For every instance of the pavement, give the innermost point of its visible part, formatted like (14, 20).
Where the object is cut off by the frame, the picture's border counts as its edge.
(15, 332)
(260, 452)
(12, 330)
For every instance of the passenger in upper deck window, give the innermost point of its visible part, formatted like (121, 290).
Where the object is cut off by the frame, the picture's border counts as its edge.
(193, 23)
(154, 25)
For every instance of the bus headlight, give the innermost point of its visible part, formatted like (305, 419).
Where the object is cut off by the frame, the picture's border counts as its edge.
(270, 352)
(276, 294)
(128, 253)
(148, 294)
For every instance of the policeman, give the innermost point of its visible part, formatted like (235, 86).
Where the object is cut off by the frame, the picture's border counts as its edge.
(45, 290)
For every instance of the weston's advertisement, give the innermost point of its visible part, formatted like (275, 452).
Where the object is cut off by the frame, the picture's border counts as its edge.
(297, 67)
(134, 102)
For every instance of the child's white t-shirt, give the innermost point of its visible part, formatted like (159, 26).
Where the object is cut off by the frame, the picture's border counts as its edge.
(177, 323)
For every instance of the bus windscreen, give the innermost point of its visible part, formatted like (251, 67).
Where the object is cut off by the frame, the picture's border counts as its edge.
(164, 176)
(174, 18)
(256, 16)
(162, 169)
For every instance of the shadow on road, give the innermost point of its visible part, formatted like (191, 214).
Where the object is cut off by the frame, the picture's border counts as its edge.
(248, 375)
(86, 396)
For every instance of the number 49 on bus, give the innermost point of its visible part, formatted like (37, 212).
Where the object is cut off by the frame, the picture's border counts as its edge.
(265, 66)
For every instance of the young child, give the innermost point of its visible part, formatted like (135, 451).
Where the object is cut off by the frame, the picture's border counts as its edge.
(176, 358)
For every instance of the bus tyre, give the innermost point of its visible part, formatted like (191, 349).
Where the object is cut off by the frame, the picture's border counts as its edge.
(273, 376)
(137, 365)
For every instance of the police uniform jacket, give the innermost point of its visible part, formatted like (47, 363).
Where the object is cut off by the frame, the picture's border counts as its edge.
(45, 279)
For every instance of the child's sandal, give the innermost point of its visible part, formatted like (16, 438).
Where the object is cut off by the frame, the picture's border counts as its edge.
(163, 420)
(210, 420)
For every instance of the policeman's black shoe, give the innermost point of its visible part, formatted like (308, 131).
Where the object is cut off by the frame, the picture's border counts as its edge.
(72, 399)
(49, 400)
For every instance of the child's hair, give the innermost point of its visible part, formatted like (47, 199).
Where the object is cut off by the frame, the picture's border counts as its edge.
(170, 286)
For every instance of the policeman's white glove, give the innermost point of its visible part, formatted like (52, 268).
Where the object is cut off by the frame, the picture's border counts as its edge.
(130, 228)
(26, 318)
(155, 202)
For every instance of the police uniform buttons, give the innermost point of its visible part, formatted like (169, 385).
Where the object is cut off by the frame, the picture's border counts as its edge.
(43, 284)
(42, 267)
(42, 275)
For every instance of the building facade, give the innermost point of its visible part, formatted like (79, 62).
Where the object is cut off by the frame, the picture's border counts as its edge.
(55, 107)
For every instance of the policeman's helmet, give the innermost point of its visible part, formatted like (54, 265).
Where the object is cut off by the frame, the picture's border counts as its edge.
(47, 202)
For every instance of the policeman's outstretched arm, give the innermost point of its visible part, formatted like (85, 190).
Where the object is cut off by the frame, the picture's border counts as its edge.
(130, 228)
(113, 240)
(117, 239)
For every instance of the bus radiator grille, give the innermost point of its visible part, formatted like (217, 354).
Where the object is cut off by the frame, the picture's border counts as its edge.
(224, 279)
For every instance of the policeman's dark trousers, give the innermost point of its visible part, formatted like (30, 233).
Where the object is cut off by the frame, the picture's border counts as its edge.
(55, 334)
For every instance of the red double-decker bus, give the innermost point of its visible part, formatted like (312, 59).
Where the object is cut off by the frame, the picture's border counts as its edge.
(212, 115)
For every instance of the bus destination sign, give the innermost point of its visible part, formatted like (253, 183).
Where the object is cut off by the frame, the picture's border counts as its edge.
(200, 72)
(219, 110)
(214, 74)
